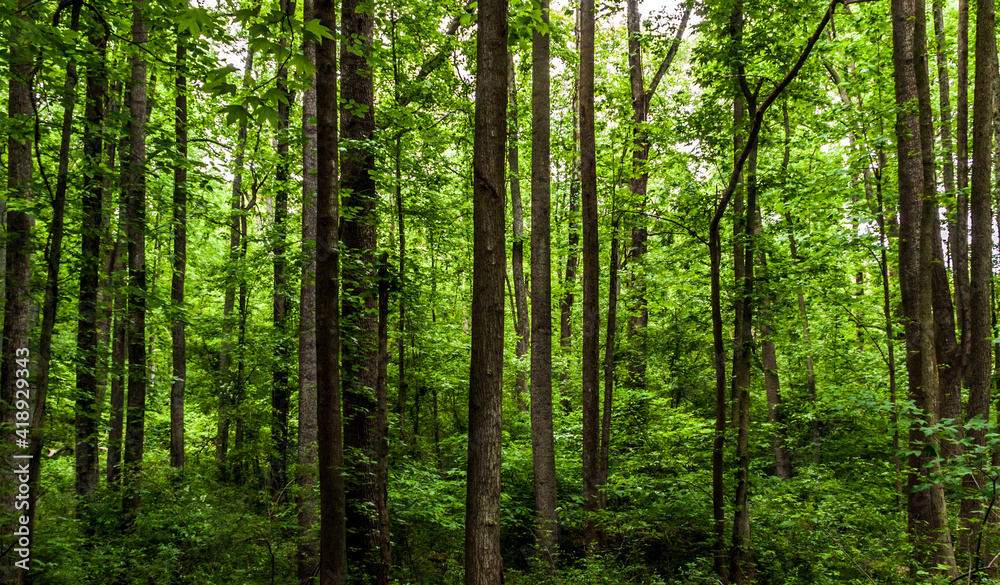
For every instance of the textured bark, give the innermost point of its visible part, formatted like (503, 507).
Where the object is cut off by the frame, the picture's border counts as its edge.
(483, 563)
(925, 508)
(333, 550)
(958, 228)
(119, 350)
(177, 331)
(18, 259)
(359, 315)
(591, 274)
(521, 323)
(950, 354)
(741, 568)
(542, 438)
(279, 316)
(135, 412)
(307, 554)
(980, 339)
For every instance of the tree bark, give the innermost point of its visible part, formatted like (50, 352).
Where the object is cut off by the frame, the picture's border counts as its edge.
(591, 275)
(308, 546)
(177, 332)
(17, 255)
(136, 408)
(925, 508)
(980, 339)
(282, 352)
(542, 438)
(483, 563)
(359, 316)
(333, 550)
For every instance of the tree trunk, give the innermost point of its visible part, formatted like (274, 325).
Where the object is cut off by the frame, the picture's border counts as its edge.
(982, 243)
(591, 275)
(333, 550)
(609, 378)
(542, 438)
(308, 546)
(136, 409)
(517, 246)
(925, 508)
(178, 340)
(229, 385)
(18, 258)
(483, 563)
(741, 568)
(279, 315)
(359, 316)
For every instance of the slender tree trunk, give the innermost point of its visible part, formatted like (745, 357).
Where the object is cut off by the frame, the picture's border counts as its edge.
(483, 563)
(925, 507)
(741, 568)
(87, 331)
(308, 546)
(542, 438)
(609, 378)
(136, 409)
(517, 246)
(333, 550)
(177, 333)
(282, 352)
(591, 275)
(18, 259)
(229, 388)
(641, 98)
(980, 341)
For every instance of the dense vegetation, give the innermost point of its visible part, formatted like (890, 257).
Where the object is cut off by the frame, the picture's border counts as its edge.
(423, 292)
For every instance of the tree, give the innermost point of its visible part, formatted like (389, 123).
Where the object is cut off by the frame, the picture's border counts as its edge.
(359, 315)
(542, 441)
(591, 272)
(308, 547)
(483, 564)
(177, 332)
(925, 507)
(136, 210)
(333, 550)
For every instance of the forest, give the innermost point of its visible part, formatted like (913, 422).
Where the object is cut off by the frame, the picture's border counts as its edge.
(499, 292)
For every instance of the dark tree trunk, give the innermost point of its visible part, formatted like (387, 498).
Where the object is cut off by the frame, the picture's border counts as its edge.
(609, 377)
(542, 439)
(982, 243)
(741, 568)
(483, 563)
(517, 246)
(359, 316)
(333, 550)
(308, 545)
(279, 315)
(18, 261)
(136, 408)
(925, 507)
(90, 267)
(591, 275)
(178, 340)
